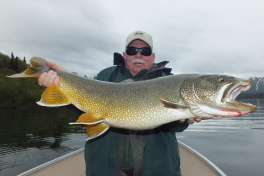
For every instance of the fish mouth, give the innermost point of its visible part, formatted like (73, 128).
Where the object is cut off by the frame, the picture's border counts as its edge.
(228, 106)
(225, 105)
(234, 91)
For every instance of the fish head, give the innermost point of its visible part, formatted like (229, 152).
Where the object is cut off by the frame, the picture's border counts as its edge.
(214, 95)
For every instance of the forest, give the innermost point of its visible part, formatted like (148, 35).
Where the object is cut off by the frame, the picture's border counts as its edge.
(19, 92)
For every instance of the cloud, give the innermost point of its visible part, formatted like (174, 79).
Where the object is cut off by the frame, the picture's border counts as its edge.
(195, 36)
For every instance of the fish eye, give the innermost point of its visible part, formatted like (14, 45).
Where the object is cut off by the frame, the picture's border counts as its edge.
(221, 79)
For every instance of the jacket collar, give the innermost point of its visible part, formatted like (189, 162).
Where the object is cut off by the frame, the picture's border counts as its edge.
(144, 73)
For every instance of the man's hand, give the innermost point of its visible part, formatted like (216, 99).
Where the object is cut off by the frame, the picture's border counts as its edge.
(46, 79)
(191, 121)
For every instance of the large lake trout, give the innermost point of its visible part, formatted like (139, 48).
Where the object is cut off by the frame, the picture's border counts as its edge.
(144, 104)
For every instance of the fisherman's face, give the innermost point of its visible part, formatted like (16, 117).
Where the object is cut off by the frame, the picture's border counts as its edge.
(137, 62)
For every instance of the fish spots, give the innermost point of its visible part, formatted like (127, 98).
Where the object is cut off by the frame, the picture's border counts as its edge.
(138, 106)
(202, 88)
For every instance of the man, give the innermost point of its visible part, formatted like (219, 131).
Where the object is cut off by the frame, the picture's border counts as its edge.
(129, 152)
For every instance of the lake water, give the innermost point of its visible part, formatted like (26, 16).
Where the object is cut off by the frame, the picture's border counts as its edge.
(235, 145)
(29, 138)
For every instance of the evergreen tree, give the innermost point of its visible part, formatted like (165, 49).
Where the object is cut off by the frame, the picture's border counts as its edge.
(12, 55)
(12, 62)
(4, 60)
(16, 67)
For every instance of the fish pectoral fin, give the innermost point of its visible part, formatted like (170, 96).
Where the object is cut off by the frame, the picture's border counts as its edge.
(95, 130)
(89, 119)
(173, 105)
(53, 96)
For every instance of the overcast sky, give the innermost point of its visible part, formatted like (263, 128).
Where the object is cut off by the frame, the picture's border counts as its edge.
(205, 36)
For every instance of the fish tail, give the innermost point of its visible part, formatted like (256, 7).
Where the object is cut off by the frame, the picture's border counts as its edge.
(38, 66)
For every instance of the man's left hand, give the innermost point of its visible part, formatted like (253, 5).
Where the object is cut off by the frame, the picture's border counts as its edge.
(191, 121)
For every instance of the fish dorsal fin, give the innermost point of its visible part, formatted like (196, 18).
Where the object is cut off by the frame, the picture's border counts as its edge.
(95, 130)
(89, 119)
(53, 96)
(174, 105)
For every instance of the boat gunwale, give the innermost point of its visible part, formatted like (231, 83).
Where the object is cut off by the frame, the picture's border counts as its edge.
(204, 159)
(49, 163)
(66, 156)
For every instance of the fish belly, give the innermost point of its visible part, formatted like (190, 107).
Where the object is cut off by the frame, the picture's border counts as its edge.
(149, 120)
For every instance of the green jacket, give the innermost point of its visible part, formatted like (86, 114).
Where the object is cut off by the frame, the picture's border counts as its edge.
(159, 147)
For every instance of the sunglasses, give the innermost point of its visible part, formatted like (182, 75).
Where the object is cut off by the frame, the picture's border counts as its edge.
(145, 51)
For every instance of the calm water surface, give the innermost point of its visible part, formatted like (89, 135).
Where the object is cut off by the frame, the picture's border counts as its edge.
(235, 145)
(29, 138)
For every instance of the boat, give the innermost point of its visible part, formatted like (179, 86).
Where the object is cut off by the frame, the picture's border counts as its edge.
(195, 164)
(192, 163)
